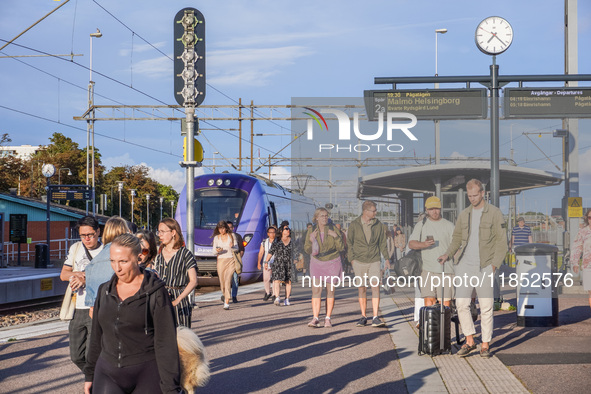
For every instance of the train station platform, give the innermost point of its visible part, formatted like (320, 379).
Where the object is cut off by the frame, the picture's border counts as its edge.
(23, 283)
(259, 347)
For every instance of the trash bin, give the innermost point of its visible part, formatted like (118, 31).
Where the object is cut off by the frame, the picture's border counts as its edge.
(41, 256)
(537, 291)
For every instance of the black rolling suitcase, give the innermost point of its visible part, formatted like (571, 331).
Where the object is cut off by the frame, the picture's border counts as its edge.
(433, 338)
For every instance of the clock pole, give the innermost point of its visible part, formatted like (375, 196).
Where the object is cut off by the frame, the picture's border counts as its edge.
(494, 133)
(48, 223)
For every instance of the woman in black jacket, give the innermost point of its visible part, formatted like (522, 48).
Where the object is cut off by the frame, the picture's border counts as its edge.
(133, 344)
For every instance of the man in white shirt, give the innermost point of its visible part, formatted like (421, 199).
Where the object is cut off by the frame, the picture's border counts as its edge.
(432, 237)
(79, 255)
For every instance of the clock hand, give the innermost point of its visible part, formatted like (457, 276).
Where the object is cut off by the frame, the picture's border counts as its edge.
(500, 40)
(491, 37)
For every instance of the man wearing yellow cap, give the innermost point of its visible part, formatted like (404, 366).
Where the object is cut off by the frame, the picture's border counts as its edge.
(432, 237)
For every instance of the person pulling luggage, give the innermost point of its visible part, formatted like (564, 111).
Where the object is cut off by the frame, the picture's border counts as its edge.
(480, 234)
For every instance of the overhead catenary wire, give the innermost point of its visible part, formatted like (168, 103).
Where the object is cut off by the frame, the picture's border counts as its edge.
(170, 58)
(118, 82)
(81, 129)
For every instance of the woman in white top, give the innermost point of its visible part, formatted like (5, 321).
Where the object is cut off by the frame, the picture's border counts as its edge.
(263, 252)
(223, 243)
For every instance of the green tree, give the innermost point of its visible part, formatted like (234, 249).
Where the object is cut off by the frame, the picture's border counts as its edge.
(136, 178)
(66, 156)
(13, 169)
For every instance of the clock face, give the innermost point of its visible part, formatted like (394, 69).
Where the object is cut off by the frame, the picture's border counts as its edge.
(494, 35)
(48, 170)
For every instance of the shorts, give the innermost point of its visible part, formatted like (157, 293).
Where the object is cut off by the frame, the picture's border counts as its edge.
(367, 269)
(431, 285)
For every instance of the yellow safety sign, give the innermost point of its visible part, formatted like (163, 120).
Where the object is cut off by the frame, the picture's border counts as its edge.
(198, 150)
(575, 207)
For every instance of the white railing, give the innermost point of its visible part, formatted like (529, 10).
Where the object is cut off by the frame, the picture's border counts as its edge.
(28, 250)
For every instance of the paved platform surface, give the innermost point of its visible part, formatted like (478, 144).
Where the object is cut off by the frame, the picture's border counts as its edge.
(258, 347)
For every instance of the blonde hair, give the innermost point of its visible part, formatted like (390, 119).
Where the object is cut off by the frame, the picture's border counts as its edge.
(130, 241)
(115, 226)
(475, 182)
(317, 213)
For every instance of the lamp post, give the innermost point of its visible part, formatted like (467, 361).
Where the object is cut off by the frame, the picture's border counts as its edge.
(437, 137)
(148, 212)
(120, 188)
(214, 153)
(90, 125)
(59, 174)
(172, 209)
(132, 196)
(161, 201)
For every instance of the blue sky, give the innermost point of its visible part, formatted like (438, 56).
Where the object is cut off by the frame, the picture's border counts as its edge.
(269, 52)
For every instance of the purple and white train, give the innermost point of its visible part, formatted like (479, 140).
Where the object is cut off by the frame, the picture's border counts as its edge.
(252, 204)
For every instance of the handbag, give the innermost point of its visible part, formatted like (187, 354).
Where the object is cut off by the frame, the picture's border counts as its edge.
(237, 261)
(69, 301)
(409, 265)
(68, 305)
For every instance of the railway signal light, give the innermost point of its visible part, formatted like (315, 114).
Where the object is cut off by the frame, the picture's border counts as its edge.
(189, 57)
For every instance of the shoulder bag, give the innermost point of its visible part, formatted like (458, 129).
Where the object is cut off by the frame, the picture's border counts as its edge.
(69, 302)
(412, 263)
(237, 259)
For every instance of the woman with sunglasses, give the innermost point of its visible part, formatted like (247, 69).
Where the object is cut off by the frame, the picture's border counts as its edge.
(582, 246)
(281, 270)
(177, 267)
(149, 249)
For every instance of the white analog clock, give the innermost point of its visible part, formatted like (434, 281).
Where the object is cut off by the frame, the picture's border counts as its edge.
(48, 170)
(494, 35)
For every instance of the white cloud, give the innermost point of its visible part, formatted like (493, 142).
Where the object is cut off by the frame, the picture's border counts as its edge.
(164, 176)
(118, 161)
(176, 178)
(281, 175)
(251, 67)
(457, 155)
(141, 48)
(276, 38)
(154, 68)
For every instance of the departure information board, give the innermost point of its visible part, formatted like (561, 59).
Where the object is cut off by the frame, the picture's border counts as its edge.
(71, 192)
(547, 103)
(428, 104)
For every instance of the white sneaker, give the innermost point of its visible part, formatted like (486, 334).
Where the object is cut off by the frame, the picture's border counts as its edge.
(286, 302)
(226, 306)
(277, 301)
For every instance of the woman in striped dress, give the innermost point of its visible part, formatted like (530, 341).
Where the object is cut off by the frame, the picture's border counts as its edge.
(176, 266)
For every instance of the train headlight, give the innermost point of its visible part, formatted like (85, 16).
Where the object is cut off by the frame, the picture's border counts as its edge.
(218, 182)
(227, 182)
(246, 239)
(210, 182)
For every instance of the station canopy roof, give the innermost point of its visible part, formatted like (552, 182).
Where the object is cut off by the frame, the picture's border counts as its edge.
(421, 179)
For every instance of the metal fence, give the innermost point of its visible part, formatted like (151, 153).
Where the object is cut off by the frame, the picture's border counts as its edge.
(28, 251)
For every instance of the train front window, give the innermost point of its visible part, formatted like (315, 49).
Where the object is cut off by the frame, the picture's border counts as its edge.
(213, 205)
